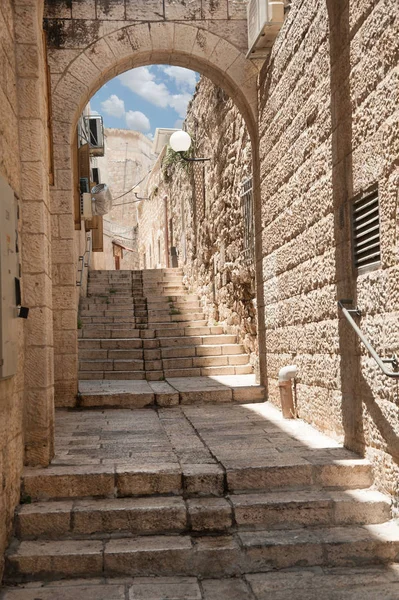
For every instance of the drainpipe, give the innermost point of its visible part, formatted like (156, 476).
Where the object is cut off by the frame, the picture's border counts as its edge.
(285, 375)
(165, 199)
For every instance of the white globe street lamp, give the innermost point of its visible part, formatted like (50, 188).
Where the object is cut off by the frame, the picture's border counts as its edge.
(180, 142)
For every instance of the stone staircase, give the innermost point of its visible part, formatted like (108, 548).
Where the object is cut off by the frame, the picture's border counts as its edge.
(230, 494)
(201, 495)
(142, 325)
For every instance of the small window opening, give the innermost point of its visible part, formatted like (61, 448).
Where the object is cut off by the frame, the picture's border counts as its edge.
(95, 175)
(366, 230)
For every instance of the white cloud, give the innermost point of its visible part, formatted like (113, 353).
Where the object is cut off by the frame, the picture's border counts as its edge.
(137, 120)
(150, 136)
(184, 78)
(178, 124)
(142, 81)
(113, 106)
(179, 102)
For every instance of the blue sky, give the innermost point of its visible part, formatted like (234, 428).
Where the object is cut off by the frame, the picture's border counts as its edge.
(146, 98)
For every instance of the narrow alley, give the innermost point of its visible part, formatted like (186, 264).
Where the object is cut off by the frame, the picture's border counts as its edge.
(199, 300)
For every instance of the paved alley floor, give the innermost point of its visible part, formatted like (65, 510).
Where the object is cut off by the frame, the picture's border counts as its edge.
(314, 583)
(222, 436)
(218, 451)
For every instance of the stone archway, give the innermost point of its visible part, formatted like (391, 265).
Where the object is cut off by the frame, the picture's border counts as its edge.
(76, 75)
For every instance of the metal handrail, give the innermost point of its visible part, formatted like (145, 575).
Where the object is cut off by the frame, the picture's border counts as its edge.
(380, 361)
(83, 262)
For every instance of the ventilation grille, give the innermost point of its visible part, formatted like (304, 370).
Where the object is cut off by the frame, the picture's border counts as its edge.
(366, 231)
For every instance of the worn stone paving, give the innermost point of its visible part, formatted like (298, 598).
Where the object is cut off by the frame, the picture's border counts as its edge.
(316, 583)
(228, 435)
(105, 393)
(209, 447)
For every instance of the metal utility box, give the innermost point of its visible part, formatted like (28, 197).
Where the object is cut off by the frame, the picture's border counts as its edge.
(9, 281)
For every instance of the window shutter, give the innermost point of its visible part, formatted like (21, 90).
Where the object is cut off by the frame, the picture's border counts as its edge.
(366, 231)
(97, 234)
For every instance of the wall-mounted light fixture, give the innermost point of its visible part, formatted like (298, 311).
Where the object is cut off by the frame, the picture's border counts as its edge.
(180, 142)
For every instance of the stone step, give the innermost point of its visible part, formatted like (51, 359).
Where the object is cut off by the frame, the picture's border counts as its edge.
(193, 345)
(171, 311)
(197, 340)
(105, 320)
(202, 350)
(127, 480)
(180, 300)
(106, 393)
(181, 316)
(109, 311)
(189, 328)
(89, 370)
(118, 375)
(139, 516)
(209, 556)
(377, 582)
(204, 361)
(176, 357)
(208, 371)
(112, 365)
(103, 354)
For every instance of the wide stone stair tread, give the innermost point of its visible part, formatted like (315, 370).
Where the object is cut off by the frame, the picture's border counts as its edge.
(125, 479)
(379, 582)
(220, 555)
(309, 508)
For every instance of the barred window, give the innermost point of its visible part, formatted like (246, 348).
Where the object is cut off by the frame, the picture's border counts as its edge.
(247, 208)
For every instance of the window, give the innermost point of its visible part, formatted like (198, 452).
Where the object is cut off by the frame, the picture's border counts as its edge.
(95, 175)
(366, 230)
(247, 207)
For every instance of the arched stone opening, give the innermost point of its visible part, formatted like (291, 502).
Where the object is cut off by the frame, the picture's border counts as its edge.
(90, 68)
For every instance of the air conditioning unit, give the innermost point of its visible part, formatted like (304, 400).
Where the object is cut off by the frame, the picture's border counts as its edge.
(86, 207)
(95, 134)
(264, 20)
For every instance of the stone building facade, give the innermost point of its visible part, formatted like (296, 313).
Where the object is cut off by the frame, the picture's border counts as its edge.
(201, 213)
(127, 159)
(328, 132)
(322, 117)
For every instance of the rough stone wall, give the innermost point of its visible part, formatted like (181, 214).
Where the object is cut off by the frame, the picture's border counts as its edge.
(151, 219)
(216, 265)
(328, 101)
(128, 157)
(11, 390)
(26, 399)
(208, 228)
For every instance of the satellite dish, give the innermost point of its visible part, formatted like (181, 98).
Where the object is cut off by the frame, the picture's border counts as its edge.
(102, 199)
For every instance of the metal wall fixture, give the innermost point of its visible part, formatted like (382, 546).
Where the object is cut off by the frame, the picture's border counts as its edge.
(84, 261)
(381, 362)
(180, 141)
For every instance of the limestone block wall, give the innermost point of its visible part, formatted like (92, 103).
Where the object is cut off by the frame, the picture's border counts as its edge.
(26, 413)
(128, 157)
(11, 390)
(329, 112)
(151, 219)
